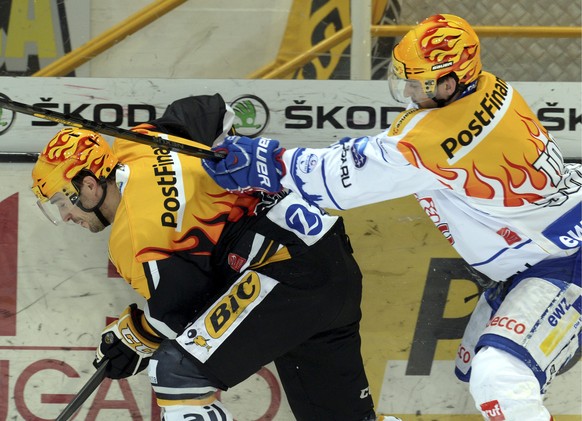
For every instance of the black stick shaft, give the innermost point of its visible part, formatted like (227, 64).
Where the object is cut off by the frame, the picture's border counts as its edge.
(79, 122)
(84, 393)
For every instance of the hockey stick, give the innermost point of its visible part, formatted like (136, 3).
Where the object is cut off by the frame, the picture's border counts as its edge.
(84, 393)
(81, 123)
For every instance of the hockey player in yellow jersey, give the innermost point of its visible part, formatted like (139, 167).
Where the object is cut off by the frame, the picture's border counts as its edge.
(493, 181)
(231, 281)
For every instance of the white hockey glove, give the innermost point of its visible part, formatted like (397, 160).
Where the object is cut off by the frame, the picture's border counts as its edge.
(126, 344)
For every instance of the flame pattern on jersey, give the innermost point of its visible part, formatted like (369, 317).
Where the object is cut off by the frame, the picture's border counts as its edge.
(198, 240)
(499, 167)
(172, 207)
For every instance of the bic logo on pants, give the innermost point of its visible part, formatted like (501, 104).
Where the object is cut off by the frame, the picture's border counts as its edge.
(213, 327)
(224, 313)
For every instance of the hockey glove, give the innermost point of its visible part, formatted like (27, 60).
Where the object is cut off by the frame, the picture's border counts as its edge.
(250, 164)
(126, 344)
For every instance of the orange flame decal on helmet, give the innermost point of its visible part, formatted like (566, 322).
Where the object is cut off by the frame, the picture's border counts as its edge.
(440, 45)
(83, 148)
(69, 152)
(446, 45)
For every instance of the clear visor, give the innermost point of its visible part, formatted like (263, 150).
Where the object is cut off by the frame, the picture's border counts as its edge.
(60, 208)
(406, 91)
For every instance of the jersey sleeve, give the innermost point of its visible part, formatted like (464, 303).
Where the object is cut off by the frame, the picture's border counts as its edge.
(178, 289)
(206, 119)
(353, 172)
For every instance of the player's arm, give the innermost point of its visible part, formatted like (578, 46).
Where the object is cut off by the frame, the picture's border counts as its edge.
(353, 172)
(177, 290)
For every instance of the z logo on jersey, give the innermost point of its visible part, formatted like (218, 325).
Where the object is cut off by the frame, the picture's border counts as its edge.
(300, 219)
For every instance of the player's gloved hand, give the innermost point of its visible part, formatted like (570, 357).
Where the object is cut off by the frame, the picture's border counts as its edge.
(250, 164)
(126, 344)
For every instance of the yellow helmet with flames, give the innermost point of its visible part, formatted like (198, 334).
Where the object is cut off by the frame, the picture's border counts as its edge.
(440, 45)
(69, 152)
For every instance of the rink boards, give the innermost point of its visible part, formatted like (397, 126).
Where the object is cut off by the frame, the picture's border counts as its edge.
(58, 290)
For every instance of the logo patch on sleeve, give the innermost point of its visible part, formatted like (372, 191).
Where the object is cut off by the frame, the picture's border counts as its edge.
(492, 411)
(358, 152)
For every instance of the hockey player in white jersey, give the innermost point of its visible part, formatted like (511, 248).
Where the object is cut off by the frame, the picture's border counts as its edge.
(493, 181)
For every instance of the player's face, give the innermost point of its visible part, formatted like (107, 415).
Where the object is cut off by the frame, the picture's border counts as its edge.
(86, 220)
(407, 91)
(70, 213)
(413, 90)
(416, 94)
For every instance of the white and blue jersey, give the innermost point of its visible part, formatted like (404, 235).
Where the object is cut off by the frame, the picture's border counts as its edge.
(492, 180)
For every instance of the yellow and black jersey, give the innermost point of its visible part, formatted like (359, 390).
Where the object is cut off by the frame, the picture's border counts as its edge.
(178, 238)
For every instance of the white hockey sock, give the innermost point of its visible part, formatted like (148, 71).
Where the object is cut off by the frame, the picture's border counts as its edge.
(208, 412)
(504, 388)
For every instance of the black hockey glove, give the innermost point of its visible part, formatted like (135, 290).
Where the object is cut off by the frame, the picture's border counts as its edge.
(126, 344)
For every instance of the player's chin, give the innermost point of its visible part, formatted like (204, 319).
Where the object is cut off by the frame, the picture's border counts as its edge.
(95, 227)
(426, 103)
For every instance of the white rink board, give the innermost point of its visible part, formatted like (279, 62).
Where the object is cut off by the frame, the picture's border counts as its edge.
(301, 112)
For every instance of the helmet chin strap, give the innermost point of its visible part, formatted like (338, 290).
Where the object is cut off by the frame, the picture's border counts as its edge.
(440, 102)
(95, 209)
